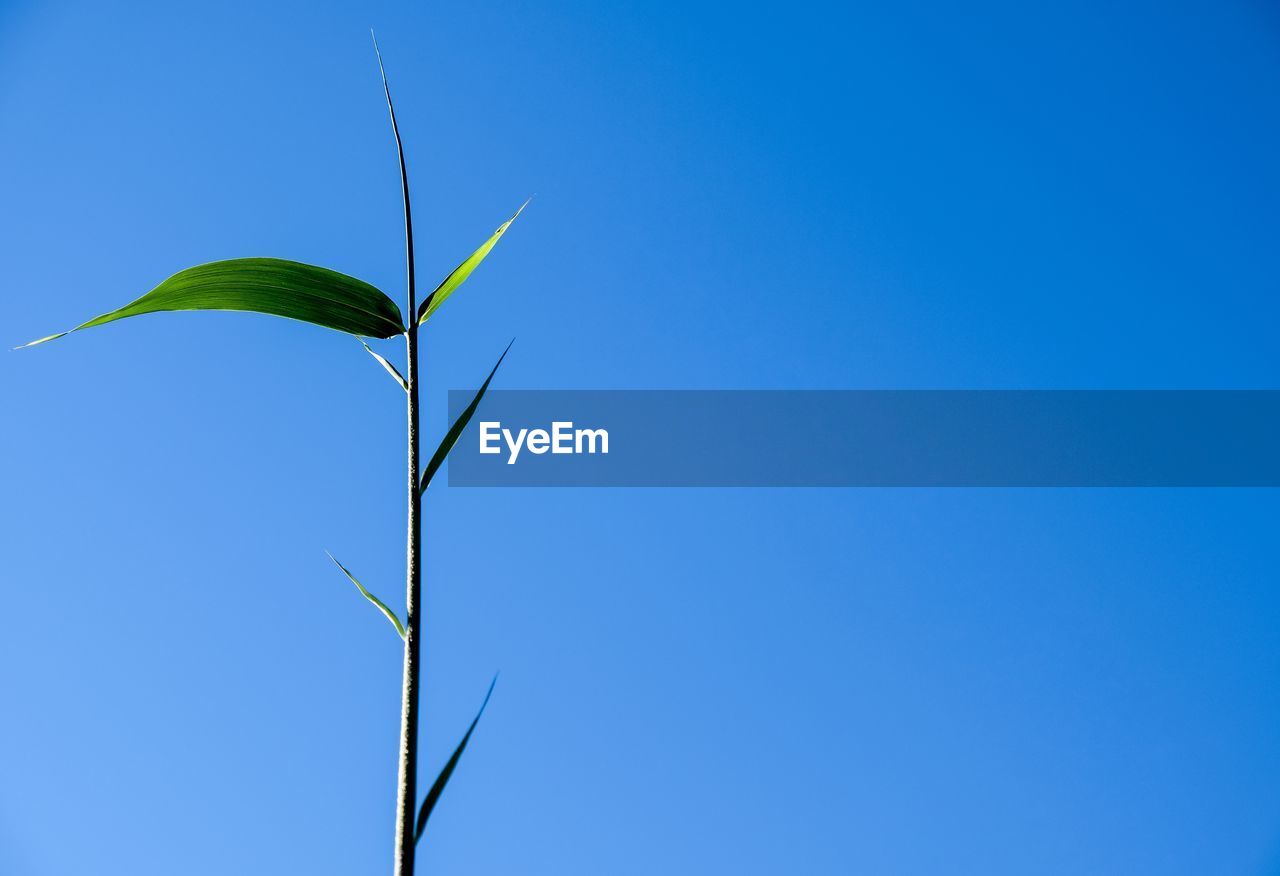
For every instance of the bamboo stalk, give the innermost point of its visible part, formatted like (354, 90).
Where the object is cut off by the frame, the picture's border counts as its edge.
(406, 785)
(406, 794)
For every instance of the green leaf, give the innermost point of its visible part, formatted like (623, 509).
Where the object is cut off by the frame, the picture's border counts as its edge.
(433, 301)
(437, 789)
(274, 286)
(382, 606)
(455, 431)
(391, 369)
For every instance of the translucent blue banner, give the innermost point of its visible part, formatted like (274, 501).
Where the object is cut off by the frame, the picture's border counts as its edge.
(868, 438)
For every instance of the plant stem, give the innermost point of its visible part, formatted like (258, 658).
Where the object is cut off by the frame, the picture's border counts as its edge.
(406, 798)
(406, 786)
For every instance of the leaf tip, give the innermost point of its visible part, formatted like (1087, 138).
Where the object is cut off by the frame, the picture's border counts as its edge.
(500, 358)
(41, 340)
(381, 69)
(515, 215)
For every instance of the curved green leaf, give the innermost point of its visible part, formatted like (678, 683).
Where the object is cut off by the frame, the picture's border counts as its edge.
(455, 431)
(433, 301)
(391, 369)
(275, 286)
(378, 603)
(433, 796)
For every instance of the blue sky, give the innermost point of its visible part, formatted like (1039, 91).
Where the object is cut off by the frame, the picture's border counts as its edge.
(1060, 195)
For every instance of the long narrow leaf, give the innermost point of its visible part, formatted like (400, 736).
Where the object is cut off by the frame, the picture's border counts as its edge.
(381, 606)
(433, 796)
(404, 176)
(274, 286)
(451, 437)
(433, 301)
(391, 369)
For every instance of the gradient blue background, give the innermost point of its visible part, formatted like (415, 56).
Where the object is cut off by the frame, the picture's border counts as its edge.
(1056, 195)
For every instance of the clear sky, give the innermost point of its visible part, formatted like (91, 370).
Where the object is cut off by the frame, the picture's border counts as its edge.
(798, 195)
